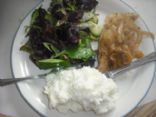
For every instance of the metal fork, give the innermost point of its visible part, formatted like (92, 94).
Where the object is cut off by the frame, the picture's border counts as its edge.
(110, 74)
(8, 81)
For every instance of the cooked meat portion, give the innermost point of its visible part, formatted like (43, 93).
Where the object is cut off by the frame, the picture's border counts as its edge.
(120, 40)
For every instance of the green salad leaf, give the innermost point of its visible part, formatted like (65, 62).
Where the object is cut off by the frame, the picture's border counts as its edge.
(50, 47)
(79, 52)
(83, 50)
(34, 16)
(51, 63)
(26, 47)
(50, 18)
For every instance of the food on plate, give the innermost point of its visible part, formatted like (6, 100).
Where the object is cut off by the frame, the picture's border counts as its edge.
(81, 89)
(61, 35)
(120, 40)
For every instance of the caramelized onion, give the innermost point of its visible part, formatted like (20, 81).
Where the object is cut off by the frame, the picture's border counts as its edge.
(120, 40)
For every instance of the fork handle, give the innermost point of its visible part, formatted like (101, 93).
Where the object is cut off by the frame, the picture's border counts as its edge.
(4, 82)
(149, 58)
(8, 81)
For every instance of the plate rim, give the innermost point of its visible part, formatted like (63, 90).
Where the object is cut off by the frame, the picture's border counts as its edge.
(154, 74)
(11, 52)
(11, 63)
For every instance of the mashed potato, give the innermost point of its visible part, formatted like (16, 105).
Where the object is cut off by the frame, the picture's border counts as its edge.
(81, 89)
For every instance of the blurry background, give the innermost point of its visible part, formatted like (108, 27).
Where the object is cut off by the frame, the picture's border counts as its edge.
(11, 13)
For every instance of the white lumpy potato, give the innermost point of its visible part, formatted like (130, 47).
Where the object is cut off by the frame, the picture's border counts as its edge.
(81, 89)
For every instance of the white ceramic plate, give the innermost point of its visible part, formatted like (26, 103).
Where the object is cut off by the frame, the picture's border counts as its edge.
(133, 86)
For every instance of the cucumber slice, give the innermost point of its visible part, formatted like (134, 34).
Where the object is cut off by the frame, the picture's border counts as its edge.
(96, 29)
